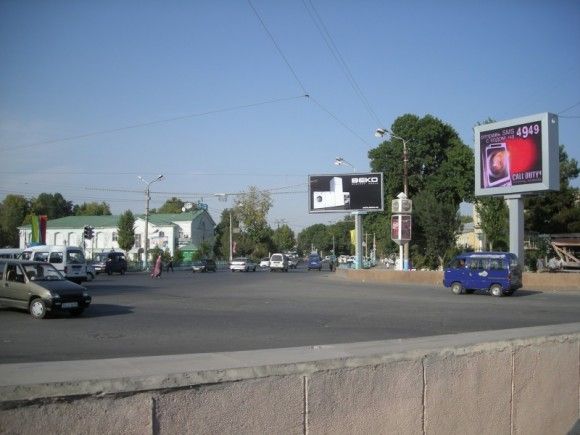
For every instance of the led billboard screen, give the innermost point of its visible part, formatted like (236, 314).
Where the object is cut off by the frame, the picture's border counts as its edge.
(340, 193)
(517, 156)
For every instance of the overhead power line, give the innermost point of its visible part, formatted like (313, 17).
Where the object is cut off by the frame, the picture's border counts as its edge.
(146, 124)
(327, 37)
(569, 108)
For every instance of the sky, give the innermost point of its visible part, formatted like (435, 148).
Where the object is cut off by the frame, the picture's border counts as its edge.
(212, 94)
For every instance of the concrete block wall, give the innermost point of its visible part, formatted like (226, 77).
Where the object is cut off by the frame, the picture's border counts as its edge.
(520, 381)
(531, 281)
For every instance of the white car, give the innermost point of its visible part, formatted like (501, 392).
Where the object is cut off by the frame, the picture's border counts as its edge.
(265, 262)
(242, 264)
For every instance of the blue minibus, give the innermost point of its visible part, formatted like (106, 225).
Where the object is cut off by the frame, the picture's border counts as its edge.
(499, 273)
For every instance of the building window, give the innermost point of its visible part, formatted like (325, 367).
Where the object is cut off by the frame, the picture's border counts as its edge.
(115, 237)
(161, 234)
(138, 241)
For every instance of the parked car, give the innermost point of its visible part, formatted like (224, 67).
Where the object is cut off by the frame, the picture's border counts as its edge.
(242, 264)
(499, 273)
(292, 263)
(110, 262)
(205, 265)
(265, 262)
(314, 262)
(278, 262)
(39, 288)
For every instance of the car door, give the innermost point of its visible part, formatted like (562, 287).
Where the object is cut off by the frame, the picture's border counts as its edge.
(477, 276)
(14, 287)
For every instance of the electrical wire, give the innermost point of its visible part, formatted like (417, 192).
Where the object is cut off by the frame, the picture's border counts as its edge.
(327, 37)
(569, 108)
(146, 124)
(278, 48)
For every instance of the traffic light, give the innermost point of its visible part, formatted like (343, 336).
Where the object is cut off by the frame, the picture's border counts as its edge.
(88, 232)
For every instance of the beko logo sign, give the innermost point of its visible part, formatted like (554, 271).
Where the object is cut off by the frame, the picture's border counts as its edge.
(364, 180)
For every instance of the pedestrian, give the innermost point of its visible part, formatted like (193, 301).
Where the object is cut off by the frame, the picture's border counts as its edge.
(170, 264)
(157, 269)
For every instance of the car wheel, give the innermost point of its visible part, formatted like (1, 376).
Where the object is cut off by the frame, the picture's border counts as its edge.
(77, 312)
(496, 290)
(457, 288)
(37, 308)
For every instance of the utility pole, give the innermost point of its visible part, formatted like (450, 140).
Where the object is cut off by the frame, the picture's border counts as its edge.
(147, 199)
(231, 238)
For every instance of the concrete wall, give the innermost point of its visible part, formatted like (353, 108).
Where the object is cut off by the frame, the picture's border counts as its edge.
(532, 281)
(520, 381)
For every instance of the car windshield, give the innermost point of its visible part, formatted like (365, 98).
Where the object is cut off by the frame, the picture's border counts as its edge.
(277, 258)
(198, 263)
(314, 258)
(42, 272)
(240, 259)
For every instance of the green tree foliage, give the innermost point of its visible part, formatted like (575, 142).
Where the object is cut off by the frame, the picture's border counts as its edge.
(92, 209)
(52, 205)
(494, 221)
(283, 238)
(13, 211)
(251, 209)
(173, 205)
(439, 221)
(556, 212)
(319, 237)
(438, 162)
(126, 231)
(221, 247)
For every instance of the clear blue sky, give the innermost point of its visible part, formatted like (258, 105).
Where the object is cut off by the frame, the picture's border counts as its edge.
(73, 68)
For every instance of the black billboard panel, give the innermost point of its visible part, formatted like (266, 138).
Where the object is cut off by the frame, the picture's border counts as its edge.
(340, 193)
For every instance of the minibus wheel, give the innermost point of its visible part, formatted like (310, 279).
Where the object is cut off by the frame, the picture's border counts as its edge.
(457, 288)
(496, 290)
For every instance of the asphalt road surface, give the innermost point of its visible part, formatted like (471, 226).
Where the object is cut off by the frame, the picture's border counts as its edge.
(134, 315)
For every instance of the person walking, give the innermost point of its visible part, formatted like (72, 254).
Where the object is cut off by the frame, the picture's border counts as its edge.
(170, 264)
(157, 269)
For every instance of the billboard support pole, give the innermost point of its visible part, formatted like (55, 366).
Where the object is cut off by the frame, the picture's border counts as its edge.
(515, 205)
(359, 233)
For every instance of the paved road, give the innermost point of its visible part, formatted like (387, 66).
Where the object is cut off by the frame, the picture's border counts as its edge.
(134, 315)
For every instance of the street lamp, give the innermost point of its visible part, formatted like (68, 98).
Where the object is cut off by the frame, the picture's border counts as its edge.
(148, 197)
(380, 132)
(339, 161)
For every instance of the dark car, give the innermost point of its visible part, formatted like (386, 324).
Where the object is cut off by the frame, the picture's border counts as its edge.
(110, 262)
(314, 262)
(39, 288)
(205, 265)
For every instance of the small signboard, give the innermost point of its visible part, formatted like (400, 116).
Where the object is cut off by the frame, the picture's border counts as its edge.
(401, 228)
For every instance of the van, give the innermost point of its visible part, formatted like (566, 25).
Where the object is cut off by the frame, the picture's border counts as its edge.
(69, 260)
(10, 253)
(499, 273)
(278, 261)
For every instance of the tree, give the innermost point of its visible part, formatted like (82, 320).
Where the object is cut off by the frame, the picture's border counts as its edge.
(13, 211)
(173, 205)
(315, 238)
(283, 238)
(251, 208)
(556, 212)
(126, 231)
(92, 209)
(494, 220)
(438, 162)
(440, 223)
(52, 205)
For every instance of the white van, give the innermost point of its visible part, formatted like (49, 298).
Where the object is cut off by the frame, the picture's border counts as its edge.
(69, 260)
(10, 253)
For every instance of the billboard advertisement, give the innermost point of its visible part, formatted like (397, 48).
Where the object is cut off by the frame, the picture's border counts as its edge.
(517, 156)
(340, 193)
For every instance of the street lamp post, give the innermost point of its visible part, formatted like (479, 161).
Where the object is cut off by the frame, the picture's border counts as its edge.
(339, 161)
(148, 198)
(380, 132)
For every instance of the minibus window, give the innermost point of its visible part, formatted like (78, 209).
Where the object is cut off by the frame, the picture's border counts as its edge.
(41, 256)
(56, 257)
